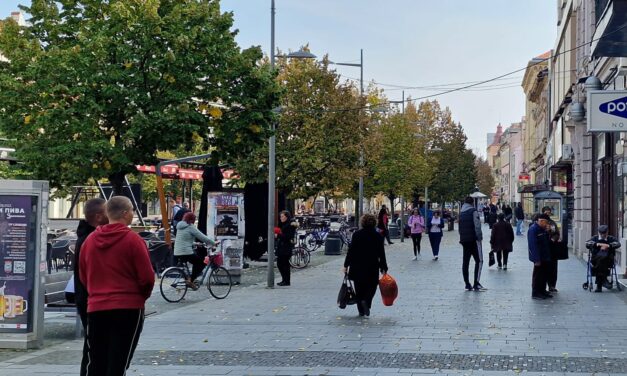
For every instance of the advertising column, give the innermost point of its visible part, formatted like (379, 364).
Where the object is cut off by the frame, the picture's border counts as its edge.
(21, 256)
(17, 263)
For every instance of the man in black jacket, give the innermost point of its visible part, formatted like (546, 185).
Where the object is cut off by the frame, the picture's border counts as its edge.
(95, 216)
(470, 237)
(603, 248)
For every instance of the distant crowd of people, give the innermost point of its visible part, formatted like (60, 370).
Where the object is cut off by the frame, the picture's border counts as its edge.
(113, 275)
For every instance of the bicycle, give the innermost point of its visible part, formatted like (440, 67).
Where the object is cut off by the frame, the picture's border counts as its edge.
(315, 239)
(300, 255)
(346, 234)
(173, 285)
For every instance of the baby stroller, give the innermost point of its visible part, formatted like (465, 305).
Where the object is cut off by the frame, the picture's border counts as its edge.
(613, 277)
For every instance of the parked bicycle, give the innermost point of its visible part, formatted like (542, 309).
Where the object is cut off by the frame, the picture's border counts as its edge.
(173, 283)
(346, 234)
(315, 239)
(300, 254)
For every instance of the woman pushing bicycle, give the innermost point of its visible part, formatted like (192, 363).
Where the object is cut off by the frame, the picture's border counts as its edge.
(186, 234)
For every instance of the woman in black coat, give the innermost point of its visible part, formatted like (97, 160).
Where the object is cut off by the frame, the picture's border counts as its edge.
(502, 239)
(364, 260)
(285, 245)
(382, 223)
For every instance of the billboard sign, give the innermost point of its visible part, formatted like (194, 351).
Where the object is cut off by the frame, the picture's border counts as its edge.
(607, 110)
(17, 256)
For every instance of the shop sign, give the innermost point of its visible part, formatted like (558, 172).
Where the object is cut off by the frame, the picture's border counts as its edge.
(607, 111)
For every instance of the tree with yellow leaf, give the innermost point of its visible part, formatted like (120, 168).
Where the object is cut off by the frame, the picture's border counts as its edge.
(92, 88)
(320, 132)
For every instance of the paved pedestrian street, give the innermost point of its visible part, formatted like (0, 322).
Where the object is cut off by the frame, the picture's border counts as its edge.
(434, 327)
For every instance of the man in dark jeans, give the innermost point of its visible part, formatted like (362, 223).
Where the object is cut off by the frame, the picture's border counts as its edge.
(519, 213)
(470, 237)
(540, 255)
(94, 216)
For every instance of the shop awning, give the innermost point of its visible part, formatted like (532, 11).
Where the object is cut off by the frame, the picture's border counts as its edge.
(173, 171)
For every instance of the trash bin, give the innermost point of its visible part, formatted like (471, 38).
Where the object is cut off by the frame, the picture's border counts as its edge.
(394, 231)
(451, 225)
(333, 244)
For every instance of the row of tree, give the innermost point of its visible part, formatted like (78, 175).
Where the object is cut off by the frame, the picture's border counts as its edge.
(90, 89)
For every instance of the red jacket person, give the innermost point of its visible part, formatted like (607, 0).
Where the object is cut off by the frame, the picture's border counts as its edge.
(116, 271)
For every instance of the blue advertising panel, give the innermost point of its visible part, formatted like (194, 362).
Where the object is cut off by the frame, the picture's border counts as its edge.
(18, 228)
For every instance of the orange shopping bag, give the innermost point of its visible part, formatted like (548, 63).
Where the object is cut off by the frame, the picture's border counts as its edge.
(388, 288)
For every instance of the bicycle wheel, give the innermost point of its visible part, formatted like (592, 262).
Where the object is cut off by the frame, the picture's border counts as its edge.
(173, 287)
(219, 282)
(310, 242)
(300, 258)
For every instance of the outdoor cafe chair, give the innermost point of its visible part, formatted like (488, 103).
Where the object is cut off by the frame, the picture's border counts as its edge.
(60, 253)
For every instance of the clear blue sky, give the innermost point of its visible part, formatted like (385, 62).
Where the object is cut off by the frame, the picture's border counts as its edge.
(413, 43)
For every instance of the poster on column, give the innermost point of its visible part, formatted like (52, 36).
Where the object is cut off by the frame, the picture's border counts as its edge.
(17, 257)
(226, 216)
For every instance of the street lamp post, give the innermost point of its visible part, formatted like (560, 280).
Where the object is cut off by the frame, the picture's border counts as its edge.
(272, 155)
(401, 229)
(271, 169)
(359, 210)
(433, 149)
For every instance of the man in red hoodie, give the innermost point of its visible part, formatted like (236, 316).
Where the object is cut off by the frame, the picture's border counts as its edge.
(116, 271)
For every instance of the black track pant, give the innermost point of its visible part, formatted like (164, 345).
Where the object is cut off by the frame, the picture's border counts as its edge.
(112, 337)
(386, 234)
(501, 257)
(283, 263)
(415, 238)
(471, 249)
(82, 312)
(198, 264)
(551, 273)
(365, 291)
(539, 278)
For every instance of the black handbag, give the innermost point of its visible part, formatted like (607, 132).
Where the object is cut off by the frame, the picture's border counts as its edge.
(560, 250)
(347, 295)
(492, 260)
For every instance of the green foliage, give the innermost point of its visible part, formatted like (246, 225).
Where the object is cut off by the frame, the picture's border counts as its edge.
(319, 133)
(94, 88)
(9, 171)
(484, 178)
(396, 162)
(454, 164)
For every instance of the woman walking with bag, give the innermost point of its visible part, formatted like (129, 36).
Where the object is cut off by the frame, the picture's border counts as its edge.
(364, 260)
(501, 240)
(417, 225)
(434, 227)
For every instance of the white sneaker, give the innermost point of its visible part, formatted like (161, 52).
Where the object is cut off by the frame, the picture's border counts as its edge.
(415, 258)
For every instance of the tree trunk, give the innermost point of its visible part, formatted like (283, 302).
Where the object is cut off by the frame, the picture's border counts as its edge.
(117, 183)
(392, 198)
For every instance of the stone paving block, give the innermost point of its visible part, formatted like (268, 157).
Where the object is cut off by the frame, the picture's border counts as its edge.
(444, 320)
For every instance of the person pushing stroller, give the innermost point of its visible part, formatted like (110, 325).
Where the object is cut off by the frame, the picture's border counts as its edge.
(602, 248)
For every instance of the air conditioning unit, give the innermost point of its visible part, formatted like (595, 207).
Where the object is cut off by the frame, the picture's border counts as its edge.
(567, 152)
(621, 69)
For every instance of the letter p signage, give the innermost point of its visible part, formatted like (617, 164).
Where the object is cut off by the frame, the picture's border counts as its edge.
(617, 107)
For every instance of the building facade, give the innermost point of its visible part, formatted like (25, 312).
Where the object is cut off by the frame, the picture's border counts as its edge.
(493, 159)
(509, 164)
(587, 167)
